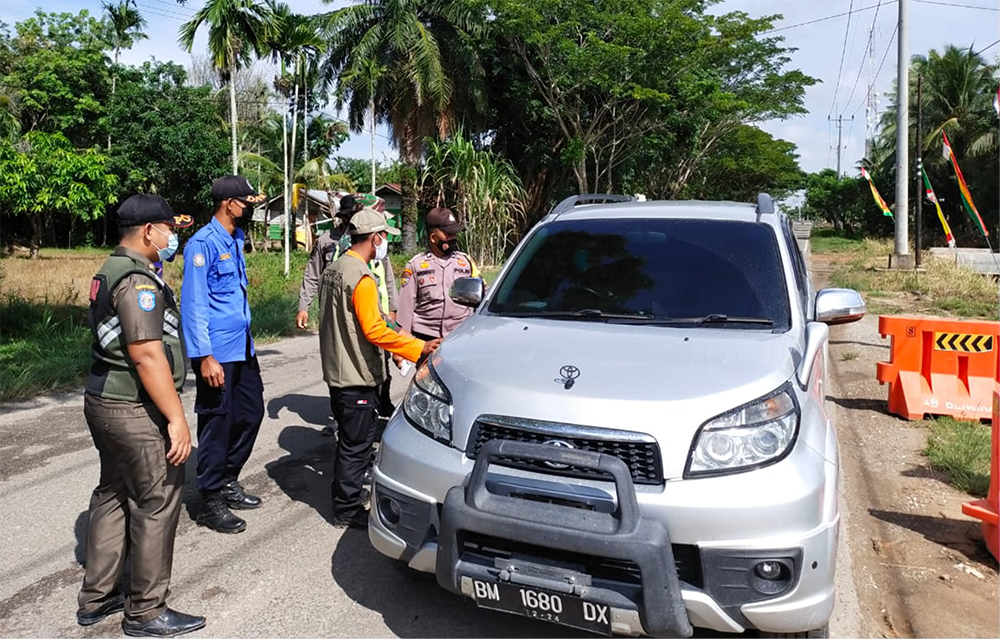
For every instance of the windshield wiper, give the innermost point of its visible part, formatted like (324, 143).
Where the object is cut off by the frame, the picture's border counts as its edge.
(714, 318)
(584, 313)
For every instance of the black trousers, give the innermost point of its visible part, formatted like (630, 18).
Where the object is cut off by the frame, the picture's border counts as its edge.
(228, 422)
(356, 410)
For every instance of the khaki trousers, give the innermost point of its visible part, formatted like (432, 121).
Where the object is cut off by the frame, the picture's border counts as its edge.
(134, 509)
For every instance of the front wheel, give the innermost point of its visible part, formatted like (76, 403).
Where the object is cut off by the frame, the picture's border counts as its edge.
(818, 633)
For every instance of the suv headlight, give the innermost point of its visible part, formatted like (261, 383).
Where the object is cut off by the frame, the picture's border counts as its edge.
(428, 404)
(753, 435)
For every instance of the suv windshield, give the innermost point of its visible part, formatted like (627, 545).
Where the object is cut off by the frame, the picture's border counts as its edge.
(649, 271)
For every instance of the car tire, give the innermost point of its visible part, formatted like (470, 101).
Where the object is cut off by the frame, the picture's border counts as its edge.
(818, 633)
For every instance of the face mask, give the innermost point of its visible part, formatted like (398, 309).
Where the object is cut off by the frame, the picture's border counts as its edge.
(243, 220)
(382, 250)
(448, 246)
(170, 249)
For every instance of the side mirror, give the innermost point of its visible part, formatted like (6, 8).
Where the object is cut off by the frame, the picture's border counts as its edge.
(467, 291)
(839, 306)
(817, 335)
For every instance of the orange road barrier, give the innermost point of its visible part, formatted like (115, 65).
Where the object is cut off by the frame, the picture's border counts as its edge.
(987, 509)
(939, 367)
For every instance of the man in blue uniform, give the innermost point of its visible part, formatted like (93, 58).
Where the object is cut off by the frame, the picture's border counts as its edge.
(215, 315)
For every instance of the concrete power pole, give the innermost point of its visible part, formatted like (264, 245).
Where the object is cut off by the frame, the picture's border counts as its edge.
(840, 138)
(901, 257)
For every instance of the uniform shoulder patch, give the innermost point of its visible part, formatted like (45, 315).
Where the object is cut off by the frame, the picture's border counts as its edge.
(147, 300)
(95, 286)
(198, 260)
(405, 276)
(145, 287)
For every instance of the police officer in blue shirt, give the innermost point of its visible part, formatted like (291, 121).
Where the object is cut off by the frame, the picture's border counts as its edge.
(215, 315)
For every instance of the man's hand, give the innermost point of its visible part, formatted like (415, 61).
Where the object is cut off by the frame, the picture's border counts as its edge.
(398, 361)
(302, 319)
(430, 347)
(212, 372)
(392, 316)
(180, 441)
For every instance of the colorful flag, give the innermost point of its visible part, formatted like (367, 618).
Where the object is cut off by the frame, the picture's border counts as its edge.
(964, 188)
(933, 198)
(996, 101)
(878, 198)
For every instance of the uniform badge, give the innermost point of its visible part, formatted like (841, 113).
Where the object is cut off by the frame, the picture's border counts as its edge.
(405, 277)
(462, 263)
(225, 256)
(95, 286)
(199, 260)
(424, 265)
(147, 300)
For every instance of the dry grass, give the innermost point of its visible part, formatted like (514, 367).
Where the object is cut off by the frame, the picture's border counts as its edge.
(940, 288)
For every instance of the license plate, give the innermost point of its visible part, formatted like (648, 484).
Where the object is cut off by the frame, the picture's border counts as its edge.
(543, 605)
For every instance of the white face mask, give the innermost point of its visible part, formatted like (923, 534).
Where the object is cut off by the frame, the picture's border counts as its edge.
(382, 250)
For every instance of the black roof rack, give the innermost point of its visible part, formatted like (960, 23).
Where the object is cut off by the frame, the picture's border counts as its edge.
(573, 200)
(765, 205)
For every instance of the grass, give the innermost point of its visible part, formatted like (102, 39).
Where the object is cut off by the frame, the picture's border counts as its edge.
(828, 240)
(961, 450)
(848, 356)
(940, 288)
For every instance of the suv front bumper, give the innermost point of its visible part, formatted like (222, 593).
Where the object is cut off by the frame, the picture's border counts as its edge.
(713, 550)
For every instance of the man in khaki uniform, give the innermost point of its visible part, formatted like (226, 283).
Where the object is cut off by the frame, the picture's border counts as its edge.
(352, 333)
(425, 309)
(138, 425)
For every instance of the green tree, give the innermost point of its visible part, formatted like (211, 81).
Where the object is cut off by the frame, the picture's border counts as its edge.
(57, 73)
(169, 138)
(432, 73)
(43, 174)
(237, 30)
(127, 26)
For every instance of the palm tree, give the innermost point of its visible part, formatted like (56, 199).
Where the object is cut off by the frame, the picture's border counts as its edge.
(432, 73)
(237, 30)
(127, 26)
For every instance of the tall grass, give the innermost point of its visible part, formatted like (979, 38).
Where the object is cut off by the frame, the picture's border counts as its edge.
(941, 287)
(961, 450)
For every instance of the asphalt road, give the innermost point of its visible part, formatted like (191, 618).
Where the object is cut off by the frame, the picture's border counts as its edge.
(290, 574)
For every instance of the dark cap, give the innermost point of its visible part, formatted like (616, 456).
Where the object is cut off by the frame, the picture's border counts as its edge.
(444, 219)
(236, 187)
(347, 205)
(148, 208)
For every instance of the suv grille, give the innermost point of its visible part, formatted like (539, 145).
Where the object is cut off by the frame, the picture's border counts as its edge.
(486, 549)
(641, 456)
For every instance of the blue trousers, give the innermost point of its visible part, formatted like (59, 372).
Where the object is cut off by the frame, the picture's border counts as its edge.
(229, 419)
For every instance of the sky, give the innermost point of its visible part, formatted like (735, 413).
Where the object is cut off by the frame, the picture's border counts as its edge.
(933, 24)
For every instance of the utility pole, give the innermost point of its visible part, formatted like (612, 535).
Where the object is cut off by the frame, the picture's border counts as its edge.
(840, 136)
(920, 167)
(901, 257)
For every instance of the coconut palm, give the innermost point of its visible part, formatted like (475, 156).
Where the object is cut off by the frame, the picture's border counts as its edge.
(432, 73)
(237, 30)
(127, 26)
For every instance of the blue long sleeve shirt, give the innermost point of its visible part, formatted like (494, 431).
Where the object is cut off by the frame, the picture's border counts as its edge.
(215, 311)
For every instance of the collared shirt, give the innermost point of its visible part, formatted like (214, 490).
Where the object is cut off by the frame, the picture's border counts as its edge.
(424, 305)
(215, 311)
(327, 249)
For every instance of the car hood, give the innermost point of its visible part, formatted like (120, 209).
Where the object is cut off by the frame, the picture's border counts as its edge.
(662, 381)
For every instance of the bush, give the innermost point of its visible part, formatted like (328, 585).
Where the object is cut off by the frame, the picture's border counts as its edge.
(962, 451)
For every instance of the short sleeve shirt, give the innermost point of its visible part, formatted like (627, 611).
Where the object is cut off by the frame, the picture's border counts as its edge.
(138, 301)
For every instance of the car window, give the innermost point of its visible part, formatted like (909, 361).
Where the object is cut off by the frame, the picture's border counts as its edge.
(798, 264)
(649, 268)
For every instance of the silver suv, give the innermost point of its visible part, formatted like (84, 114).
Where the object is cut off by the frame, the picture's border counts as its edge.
(629, 435)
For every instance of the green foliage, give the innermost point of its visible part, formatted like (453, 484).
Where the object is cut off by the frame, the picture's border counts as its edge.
(237, 30)
(167, 137)
(360, 171)
(43, 346)
(961, 449)
(44, 174)
(829, 240)
(846, 203)
(58, 71)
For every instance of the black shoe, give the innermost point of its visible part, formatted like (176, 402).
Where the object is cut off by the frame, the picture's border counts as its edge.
(170, 623)
(112, 606)
(215, 514)
(237, 498)
(358, 520)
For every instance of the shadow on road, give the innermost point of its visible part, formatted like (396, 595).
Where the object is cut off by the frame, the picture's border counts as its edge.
(304, 473)
(311, 409)
(962, 536)
(413, 605)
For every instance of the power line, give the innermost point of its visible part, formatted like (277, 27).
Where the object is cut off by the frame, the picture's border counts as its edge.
(166, 13)
(957, 4)
(824, 19)
(843, 51)
(888, 48)
(174, 6)
(981, 51)
(871, 34)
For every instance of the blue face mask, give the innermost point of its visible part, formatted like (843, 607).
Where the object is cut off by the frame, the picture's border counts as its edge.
(173, 243)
